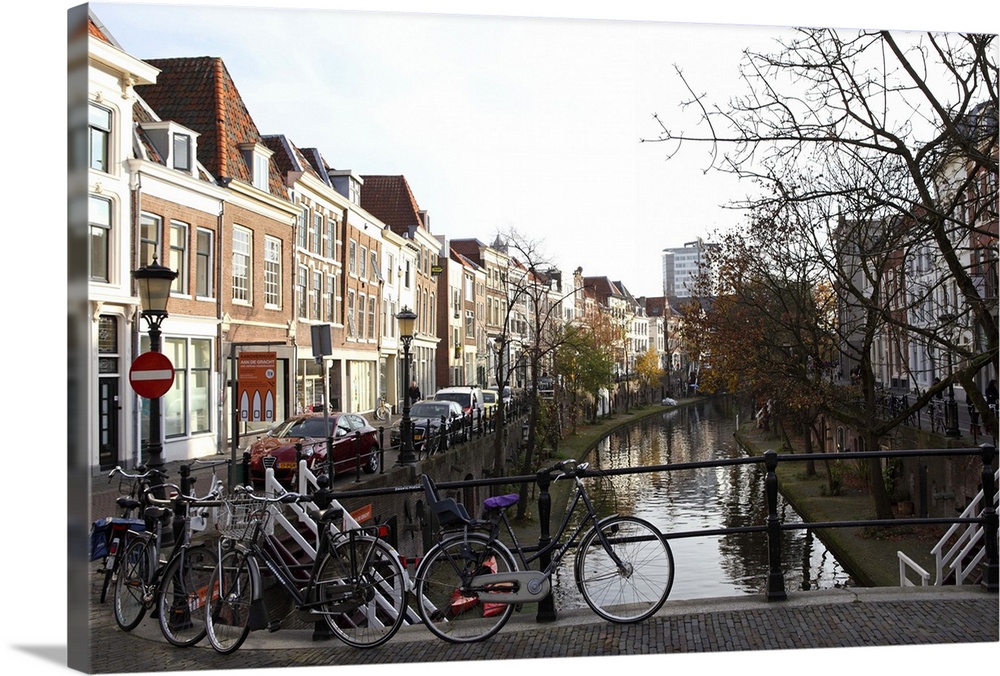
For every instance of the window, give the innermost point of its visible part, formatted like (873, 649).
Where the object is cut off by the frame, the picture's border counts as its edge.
(149, 239)
(317, 234)
(187, 406)
(331, 298)
(331, 237)
(371, 317)
(272, 272)
(362, 305)
(316, 294)
(182, 152)
(335, 294)
(376, 273)
(260, 172)
(363, 263)
(390, 268)
(99, 122)
(242, 248)
(352, 258)
(178, 256)
(303, 232)
(302, 285)
(203, 264)
(99, 215)
(406, 274)
(351, 320)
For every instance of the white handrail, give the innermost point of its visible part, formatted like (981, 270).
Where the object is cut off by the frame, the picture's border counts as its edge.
(906, 562)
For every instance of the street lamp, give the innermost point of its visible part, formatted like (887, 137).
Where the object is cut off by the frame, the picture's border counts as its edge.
(407, 319)
(950, 406)
(154, 282)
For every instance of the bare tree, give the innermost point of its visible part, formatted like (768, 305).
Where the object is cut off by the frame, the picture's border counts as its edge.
(877, 152)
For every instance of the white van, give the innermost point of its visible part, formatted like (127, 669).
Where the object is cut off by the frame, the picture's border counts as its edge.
(470, 398)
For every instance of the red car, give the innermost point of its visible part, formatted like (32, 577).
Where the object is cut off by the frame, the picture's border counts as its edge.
(277, 448)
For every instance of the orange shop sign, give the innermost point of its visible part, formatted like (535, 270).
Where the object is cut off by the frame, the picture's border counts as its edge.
(256, 386)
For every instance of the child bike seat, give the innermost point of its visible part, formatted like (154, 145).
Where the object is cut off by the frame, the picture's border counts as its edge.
(447, 511)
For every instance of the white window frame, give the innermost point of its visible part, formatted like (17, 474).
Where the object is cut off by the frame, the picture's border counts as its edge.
(179, 257)
(99, 224)
(206, 260)
(272, 272)
(100, 131)
(242, 265)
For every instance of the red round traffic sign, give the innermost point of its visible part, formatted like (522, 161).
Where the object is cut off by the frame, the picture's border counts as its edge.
(151, 375)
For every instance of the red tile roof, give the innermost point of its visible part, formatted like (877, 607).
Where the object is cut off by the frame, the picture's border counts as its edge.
(199, 93)
(389, 199)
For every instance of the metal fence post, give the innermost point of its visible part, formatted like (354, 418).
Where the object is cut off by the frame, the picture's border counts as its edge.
(357, 454)
(991, 576)
(547, 606)
(775, 579)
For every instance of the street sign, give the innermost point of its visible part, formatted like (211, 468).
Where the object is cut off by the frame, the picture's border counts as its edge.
(151, 375)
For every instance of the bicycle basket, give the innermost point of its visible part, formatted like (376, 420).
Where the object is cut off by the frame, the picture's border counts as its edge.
(241, 516)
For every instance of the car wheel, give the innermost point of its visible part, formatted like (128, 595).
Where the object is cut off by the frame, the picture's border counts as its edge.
(372, 465)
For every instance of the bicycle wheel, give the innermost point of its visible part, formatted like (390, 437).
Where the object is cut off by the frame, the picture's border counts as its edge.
(227, 617)
(363, 587)
(183, 593)
(130, 587)
(381, 413)
(449, 608)
(636, 591)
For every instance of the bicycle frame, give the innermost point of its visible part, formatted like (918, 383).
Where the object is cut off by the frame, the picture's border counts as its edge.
(302, 598)
(556, 546)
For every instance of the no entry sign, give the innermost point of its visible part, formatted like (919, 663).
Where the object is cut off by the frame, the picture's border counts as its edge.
(151, 375)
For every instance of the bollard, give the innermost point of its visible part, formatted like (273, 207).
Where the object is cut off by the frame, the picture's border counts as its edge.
(381, 449)
(357, 456)
(991, 575)
(443, 440)
(775, 579)
(246, 468)
(547, 606)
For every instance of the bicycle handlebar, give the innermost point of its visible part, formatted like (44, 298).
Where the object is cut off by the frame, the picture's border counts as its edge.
(213, 499)
(568, 467)
(149, 473)
(284, 498)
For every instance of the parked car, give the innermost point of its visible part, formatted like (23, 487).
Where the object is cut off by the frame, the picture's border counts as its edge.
(669, 401)
(490, 400)
(277, 448)
(470, 398)
(426, 416)
(507, 395)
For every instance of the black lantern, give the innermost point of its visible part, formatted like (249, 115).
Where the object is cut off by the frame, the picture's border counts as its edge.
(154, 282)
(407, 319)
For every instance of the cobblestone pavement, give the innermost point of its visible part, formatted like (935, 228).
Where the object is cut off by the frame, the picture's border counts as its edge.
(815, 619)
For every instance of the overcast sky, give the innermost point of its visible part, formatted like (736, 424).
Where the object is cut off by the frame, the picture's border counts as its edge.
(531, 124)
(588, 135)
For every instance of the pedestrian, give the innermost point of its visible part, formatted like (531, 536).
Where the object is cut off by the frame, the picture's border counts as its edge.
(991, 395)
(940, 392)
(413, 392)
(974, 429)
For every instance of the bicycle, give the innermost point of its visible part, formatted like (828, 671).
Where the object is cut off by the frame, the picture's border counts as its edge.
(355, 584)
(469, 583)
(382, 409)
(118, 527)
(177, 586)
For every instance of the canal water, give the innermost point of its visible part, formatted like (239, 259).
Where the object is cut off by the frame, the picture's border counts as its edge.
(701, 499)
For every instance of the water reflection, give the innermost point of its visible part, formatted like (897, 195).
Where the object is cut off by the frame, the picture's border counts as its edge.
(703, 499)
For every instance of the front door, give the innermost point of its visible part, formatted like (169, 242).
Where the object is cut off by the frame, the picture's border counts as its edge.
(109, 406)
(108, 414)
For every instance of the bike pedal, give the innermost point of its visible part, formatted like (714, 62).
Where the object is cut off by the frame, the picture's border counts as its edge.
(273, 627)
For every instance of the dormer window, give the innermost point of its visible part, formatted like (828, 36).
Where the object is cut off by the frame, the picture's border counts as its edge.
(177, 145)
(257, 158)
(181, 153)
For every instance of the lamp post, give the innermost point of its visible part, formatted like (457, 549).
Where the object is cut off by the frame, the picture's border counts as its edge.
(154, 282)
(407, 318)
(950, 406)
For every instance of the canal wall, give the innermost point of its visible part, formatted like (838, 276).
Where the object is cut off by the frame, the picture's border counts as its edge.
(405, 508)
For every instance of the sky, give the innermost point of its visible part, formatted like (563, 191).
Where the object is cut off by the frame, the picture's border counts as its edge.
(609, 187)
(498, 123)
